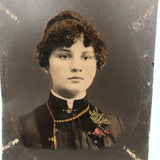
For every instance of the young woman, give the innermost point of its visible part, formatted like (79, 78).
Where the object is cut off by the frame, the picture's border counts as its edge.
(70, 52)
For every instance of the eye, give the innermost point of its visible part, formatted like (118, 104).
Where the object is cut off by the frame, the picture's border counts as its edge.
(64, 56)
(86, 57)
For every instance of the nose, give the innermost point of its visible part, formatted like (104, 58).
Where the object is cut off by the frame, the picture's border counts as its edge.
(76, 65)
(76, 70)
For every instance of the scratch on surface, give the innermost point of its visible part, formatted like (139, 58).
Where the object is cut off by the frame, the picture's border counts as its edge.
(14, 126)
(133, 155)
(10, 144)
(140, 22)
(8, 12)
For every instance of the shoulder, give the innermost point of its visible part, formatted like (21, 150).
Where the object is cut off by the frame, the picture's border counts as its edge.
(116, 126)
(29, 119)
(28, 128)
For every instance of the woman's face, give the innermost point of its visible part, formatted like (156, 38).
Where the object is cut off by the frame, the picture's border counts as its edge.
(72, 69)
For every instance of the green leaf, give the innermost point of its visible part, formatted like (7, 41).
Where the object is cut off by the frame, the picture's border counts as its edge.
(98, 118)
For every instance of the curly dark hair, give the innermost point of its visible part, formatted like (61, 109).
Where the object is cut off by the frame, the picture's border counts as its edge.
(62, 30)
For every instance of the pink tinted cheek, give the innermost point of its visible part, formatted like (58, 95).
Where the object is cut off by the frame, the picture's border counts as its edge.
(90, 71)
(59, 70)
(55, 69)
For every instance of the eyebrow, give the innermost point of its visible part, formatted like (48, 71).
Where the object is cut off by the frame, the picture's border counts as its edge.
(66, 50)
(85, 52)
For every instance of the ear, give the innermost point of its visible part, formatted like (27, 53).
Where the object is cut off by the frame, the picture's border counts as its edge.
(45, 70)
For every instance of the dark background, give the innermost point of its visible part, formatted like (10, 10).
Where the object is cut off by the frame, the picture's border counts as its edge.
(123, 87)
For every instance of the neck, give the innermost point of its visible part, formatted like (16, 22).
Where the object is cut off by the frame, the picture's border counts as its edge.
(69, 97)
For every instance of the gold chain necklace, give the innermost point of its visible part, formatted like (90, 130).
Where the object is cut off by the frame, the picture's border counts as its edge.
(53, 139)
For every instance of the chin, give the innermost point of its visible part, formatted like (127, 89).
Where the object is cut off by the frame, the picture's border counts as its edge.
(75, 91)
(69, 92)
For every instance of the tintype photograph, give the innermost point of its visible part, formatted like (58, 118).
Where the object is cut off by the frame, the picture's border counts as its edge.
(76, 79)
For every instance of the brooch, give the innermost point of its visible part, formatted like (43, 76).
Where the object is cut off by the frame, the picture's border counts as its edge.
(68, 110)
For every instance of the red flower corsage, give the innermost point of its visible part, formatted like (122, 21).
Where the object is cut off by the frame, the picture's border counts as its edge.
(100, 133)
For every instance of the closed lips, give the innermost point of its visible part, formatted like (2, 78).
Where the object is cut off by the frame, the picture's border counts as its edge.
(76, 78)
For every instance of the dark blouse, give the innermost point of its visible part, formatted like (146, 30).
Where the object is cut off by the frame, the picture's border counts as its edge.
(91, 130)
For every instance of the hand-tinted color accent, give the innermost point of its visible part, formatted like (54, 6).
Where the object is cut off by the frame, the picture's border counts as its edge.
(37, 127)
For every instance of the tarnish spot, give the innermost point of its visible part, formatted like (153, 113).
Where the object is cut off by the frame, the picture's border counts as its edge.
(133, 155)
(148, 83)
(145, 55)
(4, 53)
(9, 13)
(148, 135)
(143, 123)
(34, 158)
(140, 22)
(10, 144)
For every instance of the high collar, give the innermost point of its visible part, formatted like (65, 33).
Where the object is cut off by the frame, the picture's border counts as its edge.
(59, 105)
(69, 101)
